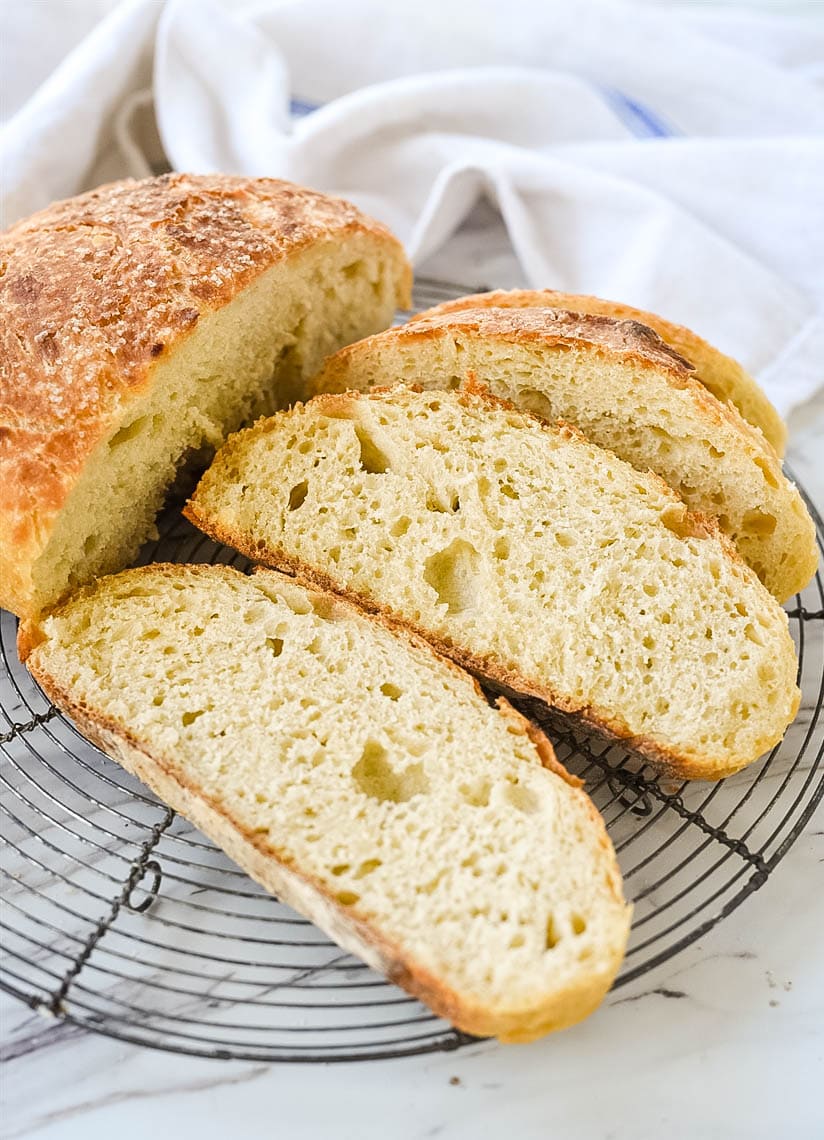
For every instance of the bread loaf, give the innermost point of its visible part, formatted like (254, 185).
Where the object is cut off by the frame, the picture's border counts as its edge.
(142, 322)
(359, 777)
(719, 373)
(531, 556)
(627, 391)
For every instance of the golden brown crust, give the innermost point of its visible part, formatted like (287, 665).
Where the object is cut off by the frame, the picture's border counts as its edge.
(720, 373)
(621, 339)
(541, 741)
(274, 870)
(96, 289)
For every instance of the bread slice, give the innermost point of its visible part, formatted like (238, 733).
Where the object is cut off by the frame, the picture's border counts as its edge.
(139, 325)
(357, 775)
(528, 554)
(626, 390)
(720, 374)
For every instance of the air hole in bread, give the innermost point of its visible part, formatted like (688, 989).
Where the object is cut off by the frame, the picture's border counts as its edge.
(367, 867)
(190, 717)
(536, 402)
(373, 460)
(552, 937)
(128, 431)
(767, 471)
(391, 691)
(578, 923)
(297, 496)
(452, 573)
(347, 898)
(522, 798)
(758, 523)
(476, 794)
(752, 634)
(400, 526)
(509, 491)
(501, 548)
(275, 644)
(677, 519)
(564, 539)
(443, 502)
(375, 776)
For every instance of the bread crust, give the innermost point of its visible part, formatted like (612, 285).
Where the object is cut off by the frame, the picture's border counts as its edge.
(621, 339)
(272, 868)
(97, 289)
(716, 370)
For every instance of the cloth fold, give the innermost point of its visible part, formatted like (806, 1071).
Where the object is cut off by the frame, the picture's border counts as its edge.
(672, 160)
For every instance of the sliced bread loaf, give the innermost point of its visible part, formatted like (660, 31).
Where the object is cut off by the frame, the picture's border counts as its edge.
(530, 555)
(719, 373)
(357, 775)
(626, 390)
(141, 323)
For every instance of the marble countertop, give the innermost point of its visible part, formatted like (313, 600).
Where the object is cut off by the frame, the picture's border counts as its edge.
(724, 1040)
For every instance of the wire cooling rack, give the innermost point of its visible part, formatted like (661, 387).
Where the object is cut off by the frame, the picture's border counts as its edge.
(119, 916)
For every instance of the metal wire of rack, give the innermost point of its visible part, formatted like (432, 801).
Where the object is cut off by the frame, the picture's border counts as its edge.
(118, 916)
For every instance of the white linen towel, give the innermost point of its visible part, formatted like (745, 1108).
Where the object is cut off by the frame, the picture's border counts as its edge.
(673, 160)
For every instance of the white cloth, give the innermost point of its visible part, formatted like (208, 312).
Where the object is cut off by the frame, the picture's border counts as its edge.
(674, 160)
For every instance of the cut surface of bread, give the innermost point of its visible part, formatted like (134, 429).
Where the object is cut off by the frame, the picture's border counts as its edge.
(532, 556)
(627, 391)
(728, 381)
(358, 776)
(139, 325)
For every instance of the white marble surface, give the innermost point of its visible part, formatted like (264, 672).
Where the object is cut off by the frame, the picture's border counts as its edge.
(726, 1040)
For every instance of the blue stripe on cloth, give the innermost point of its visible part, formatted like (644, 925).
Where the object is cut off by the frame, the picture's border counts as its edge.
(643, 122)
(300, 108)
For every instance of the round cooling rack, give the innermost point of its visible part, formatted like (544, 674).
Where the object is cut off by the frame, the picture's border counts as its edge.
(119, 916)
